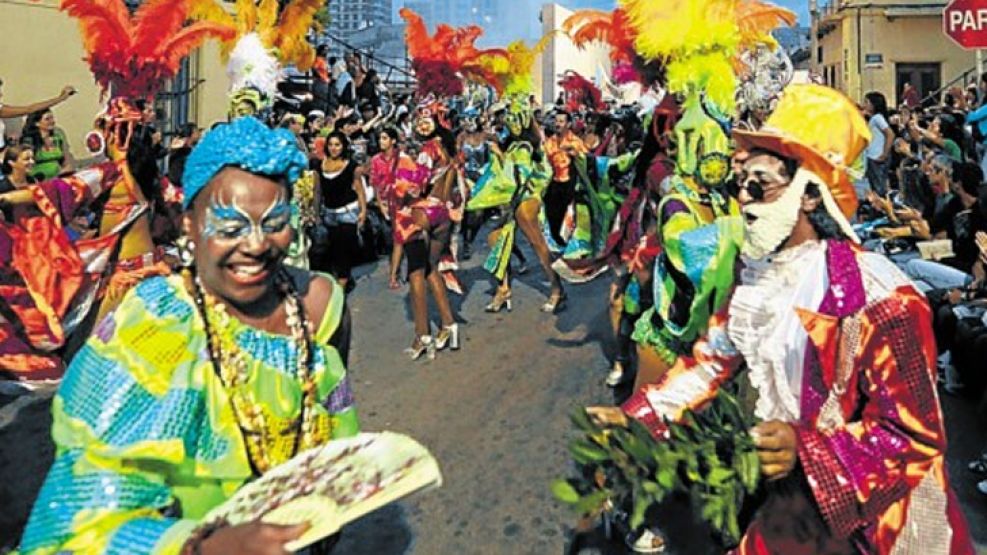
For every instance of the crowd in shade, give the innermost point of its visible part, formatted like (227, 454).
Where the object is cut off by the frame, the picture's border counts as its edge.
(823, 259)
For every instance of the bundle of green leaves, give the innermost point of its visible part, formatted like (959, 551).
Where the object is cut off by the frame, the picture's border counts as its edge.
(708, 456)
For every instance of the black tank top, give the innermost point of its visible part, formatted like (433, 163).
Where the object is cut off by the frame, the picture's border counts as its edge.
(338, 191)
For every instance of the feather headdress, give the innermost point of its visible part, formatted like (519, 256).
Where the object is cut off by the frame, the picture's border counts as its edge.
(442, 60)
(580, 92)
(510, 70)
(585, 27)
(282, 32)
(132, 56)
(699, 40)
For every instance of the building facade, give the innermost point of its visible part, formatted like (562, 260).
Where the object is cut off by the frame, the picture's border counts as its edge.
(880, 45)
(48, 55)
(562, 55)
(351, 16)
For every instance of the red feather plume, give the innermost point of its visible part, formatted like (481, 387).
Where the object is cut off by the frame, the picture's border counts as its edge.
(581, 92)
(439, 60)
(134, 56)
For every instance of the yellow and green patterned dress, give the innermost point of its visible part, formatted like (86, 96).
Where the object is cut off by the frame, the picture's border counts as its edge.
(147, 441)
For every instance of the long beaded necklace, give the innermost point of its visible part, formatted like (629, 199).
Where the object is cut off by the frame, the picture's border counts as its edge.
(266, 446)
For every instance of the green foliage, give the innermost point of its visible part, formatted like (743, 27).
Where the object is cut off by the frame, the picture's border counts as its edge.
(708, 456)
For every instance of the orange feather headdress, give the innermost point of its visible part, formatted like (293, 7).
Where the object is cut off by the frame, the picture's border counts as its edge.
(442, 60)
(585, 27)
(132, 56)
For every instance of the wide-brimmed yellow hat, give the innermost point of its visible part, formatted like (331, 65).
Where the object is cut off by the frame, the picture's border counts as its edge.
(820, 128)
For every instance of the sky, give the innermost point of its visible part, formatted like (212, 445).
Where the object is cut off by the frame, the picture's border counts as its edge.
(524, 15)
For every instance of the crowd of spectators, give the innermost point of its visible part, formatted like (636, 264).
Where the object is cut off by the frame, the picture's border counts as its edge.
(926, 208)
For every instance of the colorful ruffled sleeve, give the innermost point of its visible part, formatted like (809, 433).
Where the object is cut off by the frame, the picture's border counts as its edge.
(61, 197)
(691, 383)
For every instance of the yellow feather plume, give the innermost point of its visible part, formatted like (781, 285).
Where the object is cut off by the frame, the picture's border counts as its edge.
(285, 34)
(519, 78)
(295, 22)
(267, 20)
(246, 16)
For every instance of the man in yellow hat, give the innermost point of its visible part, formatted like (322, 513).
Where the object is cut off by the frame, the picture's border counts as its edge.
(840, 349)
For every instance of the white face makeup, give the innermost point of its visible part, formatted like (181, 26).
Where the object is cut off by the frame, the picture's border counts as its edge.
(230, 222)
(770, 224)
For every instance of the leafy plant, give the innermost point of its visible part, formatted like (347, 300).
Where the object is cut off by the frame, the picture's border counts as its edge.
(709, 456)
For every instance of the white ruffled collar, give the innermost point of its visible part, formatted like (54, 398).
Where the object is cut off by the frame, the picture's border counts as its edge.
(765, 327)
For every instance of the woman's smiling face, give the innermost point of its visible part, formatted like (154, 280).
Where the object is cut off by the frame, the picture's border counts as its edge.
(240, 226)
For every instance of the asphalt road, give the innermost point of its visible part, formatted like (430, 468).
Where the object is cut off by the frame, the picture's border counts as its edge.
(494, 413)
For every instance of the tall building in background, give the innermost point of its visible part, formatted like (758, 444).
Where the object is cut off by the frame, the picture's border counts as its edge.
(346, 18)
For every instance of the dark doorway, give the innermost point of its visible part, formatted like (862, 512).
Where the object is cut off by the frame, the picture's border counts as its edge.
(926, 77)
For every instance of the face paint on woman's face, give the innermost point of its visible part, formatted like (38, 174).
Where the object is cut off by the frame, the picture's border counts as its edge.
(241, 229)
(230, 222)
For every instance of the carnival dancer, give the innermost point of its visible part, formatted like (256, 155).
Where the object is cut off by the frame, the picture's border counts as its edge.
(633, 245)
(700, 231)
(446, 186)
(515, 181)
(473, 144)
(202, 381)
(589, 217)
(699, 226)
(840, 351)
(561, 148)
(401, 184)
(76, 289)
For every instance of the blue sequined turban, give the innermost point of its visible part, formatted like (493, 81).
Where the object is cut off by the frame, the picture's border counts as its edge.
(245, 143)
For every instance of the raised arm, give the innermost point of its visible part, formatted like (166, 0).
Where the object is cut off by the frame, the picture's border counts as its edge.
(8, 111)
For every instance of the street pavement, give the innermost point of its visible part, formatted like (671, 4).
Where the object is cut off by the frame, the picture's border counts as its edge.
(495, 413)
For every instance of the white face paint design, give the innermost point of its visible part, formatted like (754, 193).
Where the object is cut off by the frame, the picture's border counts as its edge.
(774, 221)
(230, 222)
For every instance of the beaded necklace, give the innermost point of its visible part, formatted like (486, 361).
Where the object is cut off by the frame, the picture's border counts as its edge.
(268, 444)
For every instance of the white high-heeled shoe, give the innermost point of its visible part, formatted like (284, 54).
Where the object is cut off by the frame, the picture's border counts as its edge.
(448, 336)
(423, 345)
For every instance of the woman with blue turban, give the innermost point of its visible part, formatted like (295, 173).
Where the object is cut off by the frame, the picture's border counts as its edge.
(203, 380)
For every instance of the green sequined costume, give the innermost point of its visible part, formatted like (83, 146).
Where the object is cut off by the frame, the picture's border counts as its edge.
(147, 442)
(507, 183)
(694, 274)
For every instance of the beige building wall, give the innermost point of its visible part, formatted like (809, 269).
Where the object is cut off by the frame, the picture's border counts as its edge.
(561, 55)
(42, 52)
(905, 33)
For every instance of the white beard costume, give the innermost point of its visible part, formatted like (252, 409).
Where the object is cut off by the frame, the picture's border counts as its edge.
(775, 221)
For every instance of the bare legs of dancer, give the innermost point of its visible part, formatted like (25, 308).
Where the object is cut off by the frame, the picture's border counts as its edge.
(526, 217)
(421, 275)
(623, 323)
